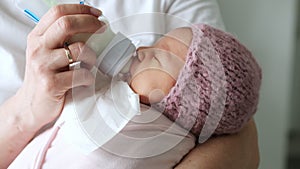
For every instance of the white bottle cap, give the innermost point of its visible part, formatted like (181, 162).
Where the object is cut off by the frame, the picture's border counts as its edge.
(116, 55)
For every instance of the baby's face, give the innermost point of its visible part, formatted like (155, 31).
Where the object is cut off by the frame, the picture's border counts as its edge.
(156, 68)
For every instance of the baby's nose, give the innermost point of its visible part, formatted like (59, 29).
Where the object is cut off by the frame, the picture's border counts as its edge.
(141, 53)
(140, 56)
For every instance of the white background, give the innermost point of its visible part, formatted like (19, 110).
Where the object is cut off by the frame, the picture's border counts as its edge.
(268, 27)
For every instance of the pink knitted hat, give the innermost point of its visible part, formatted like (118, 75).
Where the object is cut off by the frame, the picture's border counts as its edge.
(218, 88)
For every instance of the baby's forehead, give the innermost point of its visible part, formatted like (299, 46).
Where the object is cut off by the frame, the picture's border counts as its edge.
(182, 34)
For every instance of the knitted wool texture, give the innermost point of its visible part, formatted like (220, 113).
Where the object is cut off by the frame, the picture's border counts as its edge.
(218, 87)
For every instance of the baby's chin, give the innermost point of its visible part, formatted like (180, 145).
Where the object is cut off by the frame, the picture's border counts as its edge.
(148, 95)
(152, 85)
(154, 96)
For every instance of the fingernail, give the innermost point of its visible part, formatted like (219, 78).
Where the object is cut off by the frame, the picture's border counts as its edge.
(103, 28)
(95, 11)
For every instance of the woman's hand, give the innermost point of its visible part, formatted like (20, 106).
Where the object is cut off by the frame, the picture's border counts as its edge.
(46, 79)
(236, 151)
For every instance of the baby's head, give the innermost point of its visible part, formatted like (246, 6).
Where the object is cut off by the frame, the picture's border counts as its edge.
(194, 67)
(156, 68)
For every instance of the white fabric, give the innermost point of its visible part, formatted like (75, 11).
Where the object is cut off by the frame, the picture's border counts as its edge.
(15, 27)
(153, 138)
(131, 17)
(95, 118)
(138, 17)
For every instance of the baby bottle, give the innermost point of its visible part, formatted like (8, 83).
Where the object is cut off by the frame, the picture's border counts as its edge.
(114, 50)
(114, 53)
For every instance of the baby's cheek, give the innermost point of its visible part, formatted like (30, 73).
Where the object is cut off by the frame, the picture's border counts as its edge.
(152, 85)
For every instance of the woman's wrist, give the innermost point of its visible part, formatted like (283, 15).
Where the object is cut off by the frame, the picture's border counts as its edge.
(23, 114)
(15, 131)
(35, 109)
(19, 114)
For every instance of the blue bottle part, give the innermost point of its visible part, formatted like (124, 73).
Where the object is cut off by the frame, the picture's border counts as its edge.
(34, 9)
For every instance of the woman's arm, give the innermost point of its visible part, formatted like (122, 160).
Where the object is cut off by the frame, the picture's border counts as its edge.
(41, 97)
(236, 151)
(15, 133)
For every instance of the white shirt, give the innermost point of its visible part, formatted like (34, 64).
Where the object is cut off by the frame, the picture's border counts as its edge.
(131, 17)
(139, 16)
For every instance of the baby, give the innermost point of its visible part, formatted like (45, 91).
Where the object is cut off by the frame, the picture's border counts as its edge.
(201, 78)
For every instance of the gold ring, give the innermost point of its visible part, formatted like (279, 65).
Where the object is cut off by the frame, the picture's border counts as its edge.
(68, 53)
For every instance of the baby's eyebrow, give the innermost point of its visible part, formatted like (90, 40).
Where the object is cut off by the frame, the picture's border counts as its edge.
(166, 45)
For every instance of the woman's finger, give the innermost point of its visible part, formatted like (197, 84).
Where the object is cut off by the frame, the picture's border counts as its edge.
(62, 10)
(75, 78)
(78, 51)
(63, 28)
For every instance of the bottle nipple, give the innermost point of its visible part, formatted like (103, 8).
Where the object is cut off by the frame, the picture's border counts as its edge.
(116, 58)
